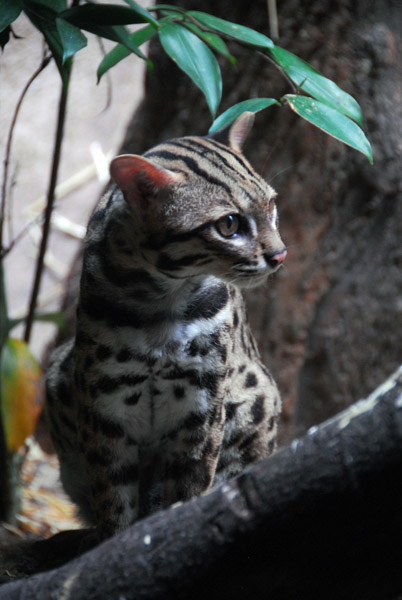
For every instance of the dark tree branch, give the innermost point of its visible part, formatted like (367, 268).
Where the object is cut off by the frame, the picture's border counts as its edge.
(40, 263)
(320, 519)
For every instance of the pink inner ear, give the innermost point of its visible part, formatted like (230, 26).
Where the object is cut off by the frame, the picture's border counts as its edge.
(137, 177)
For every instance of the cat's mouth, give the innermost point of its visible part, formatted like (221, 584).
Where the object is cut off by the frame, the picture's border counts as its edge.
(261, 268)
(247, 275)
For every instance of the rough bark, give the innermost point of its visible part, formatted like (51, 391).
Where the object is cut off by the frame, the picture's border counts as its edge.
(329, 324)
(320, 519)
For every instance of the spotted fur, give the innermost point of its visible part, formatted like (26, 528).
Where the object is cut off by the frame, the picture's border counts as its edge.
(162, 393)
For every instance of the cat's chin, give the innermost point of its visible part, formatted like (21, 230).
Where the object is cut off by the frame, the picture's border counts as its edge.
(247, 283)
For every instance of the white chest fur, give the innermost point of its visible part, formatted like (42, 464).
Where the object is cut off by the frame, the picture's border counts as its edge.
(152, 393)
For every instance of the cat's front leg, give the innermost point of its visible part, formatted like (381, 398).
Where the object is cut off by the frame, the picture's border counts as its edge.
(191, 463)
(112, 468)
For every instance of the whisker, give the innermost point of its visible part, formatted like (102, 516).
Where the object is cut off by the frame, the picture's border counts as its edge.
(271, 179)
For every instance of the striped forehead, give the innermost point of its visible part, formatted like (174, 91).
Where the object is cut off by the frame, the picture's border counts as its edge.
(216, 164)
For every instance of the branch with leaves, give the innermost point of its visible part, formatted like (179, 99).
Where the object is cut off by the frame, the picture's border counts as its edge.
(192, 39)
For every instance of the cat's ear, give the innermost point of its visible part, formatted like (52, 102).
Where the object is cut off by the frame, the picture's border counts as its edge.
(140, 179)
(235, 134)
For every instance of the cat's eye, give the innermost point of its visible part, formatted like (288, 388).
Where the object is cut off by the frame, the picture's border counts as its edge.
(228, 226)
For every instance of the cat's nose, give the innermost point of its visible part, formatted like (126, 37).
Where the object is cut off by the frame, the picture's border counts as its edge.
(276, 259)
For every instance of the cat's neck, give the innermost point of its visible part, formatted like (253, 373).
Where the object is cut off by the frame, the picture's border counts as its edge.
(135, 294)
(120, 287)
(161, 321)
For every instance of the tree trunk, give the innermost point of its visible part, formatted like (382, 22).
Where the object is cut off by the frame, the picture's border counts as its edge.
(329, 323)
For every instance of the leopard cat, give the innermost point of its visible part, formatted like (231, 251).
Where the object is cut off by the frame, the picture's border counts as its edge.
(162, 394)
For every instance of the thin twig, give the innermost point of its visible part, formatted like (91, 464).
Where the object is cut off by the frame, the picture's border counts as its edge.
(99, 168)
(49, 207)
(279, 68)
(19, 236)
(273, 19)
(42, 66)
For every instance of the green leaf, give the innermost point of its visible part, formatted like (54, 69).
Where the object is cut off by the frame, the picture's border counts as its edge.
(57, 318)
(21, 403)
(99, 19)
(253, 105)
(315, 84)
(140, 10)
(195, 59)
(120, 52)
(213, 40)
(72, 38)
(169, 7)
(56, 5)
(331, 121)
(9, 11)
(44, 19)
(239, 32)
(88, 15)
(52, 317)
(4, 37)
(117, 33)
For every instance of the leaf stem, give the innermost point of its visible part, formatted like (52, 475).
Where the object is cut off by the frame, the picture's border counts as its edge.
(49, 207)
(279, 68)
(6, 250)
(42, 66)
(4, 322)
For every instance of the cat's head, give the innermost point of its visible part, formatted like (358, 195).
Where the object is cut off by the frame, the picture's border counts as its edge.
(201, 209)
